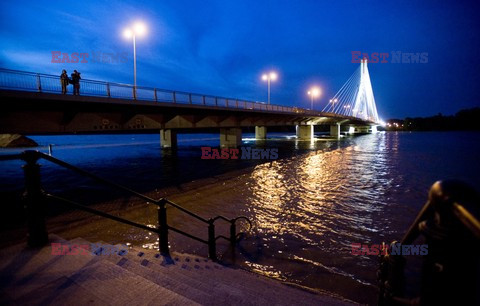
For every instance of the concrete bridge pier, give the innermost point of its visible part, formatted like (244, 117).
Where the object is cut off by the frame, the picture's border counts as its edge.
(168, 138)
(305, 132)
(230, 137)
(335, 130)
(362, 129)
(261, 132)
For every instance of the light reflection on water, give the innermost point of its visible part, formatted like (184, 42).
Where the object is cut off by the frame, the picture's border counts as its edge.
(308, 208)
(324, 200)
(312, 207)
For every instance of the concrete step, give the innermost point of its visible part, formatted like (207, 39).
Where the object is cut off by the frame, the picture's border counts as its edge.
(25, 269)
(119, 286)
(194, 268)
(173, 283)
(239, 282)
(218, 292)
(58, 292)
(35, 276)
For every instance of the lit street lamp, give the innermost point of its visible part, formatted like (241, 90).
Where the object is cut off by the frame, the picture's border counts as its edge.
(272, 76)
(137, 29)
(313, 93)
(333, 101)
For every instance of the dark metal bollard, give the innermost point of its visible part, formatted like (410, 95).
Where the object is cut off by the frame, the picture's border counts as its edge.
(34, 201)
(212, 247)
(233, 232)
(391, 278)
(163, 229)
(451, 270)
(450, 275)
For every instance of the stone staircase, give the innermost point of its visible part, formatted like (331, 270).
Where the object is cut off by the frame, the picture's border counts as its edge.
(135, 277)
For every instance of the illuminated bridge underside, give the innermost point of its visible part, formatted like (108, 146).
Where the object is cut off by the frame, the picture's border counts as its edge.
(39, 113)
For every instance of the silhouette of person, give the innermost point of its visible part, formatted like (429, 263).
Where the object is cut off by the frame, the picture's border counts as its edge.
(76, 82)
(64, 81)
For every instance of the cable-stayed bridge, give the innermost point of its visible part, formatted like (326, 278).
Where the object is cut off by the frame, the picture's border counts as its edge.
(33, 103)
(355, 98)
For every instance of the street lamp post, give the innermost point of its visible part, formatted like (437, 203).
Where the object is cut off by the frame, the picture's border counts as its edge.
(313, 93)
(333, 101)
(272, 76)
(137, 29)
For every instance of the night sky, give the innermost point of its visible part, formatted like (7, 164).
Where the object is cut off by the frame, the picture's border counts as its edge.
(223, 47)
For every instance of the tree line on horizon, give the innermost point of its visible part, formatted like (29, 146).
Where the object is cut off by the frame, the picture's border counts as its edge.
(463, 120)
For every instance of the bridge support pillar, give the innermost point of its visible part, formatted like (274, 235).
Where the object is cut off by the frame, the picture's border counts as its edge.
(168, 138)
(335, 130)
(374, 129)
(230, 137)
(305, 132)
(361, 129)
(260, 132)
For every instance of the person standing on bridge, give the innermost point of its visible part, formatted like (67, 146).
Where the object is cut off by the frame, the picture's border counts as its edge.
(64, 81)
(76, 82)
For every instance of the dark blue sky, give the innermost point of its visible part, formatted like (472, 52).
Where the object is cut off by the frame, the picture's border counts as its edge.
(222, 47)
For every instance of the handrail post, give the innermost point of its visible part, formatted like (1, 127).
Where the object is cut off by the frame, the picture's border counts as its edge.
(134, 93)
(108, 90)
(155, 94)
(233, 232)
(212, 247)
(39, 84)
(34, 201)
(216, 101)
(174, 97)
(163, 229)
(190, 98)
(203, 98)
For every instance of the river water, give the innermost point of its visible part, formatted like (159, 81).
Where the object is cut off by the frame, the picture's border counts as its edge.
(307, 207)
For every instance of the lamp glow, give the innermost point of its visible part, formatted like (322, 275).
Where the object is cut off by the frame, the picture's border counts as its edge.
(313, 93)
(140, 28)
(127, 33)
(271, 76)
(137, 29)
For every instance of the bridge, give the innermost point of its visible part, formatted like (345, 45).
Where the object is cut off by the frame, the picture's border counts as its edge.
(32, 103)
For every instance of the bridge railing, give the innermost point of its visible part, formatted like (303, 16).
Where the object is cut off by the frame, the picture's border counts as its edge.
(46, 83)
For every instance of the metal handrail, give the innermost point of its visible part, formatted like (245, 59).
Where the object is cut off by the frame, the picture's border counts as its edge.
(107, 89)
(101, 213)
(121, 187)
(34, 193)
